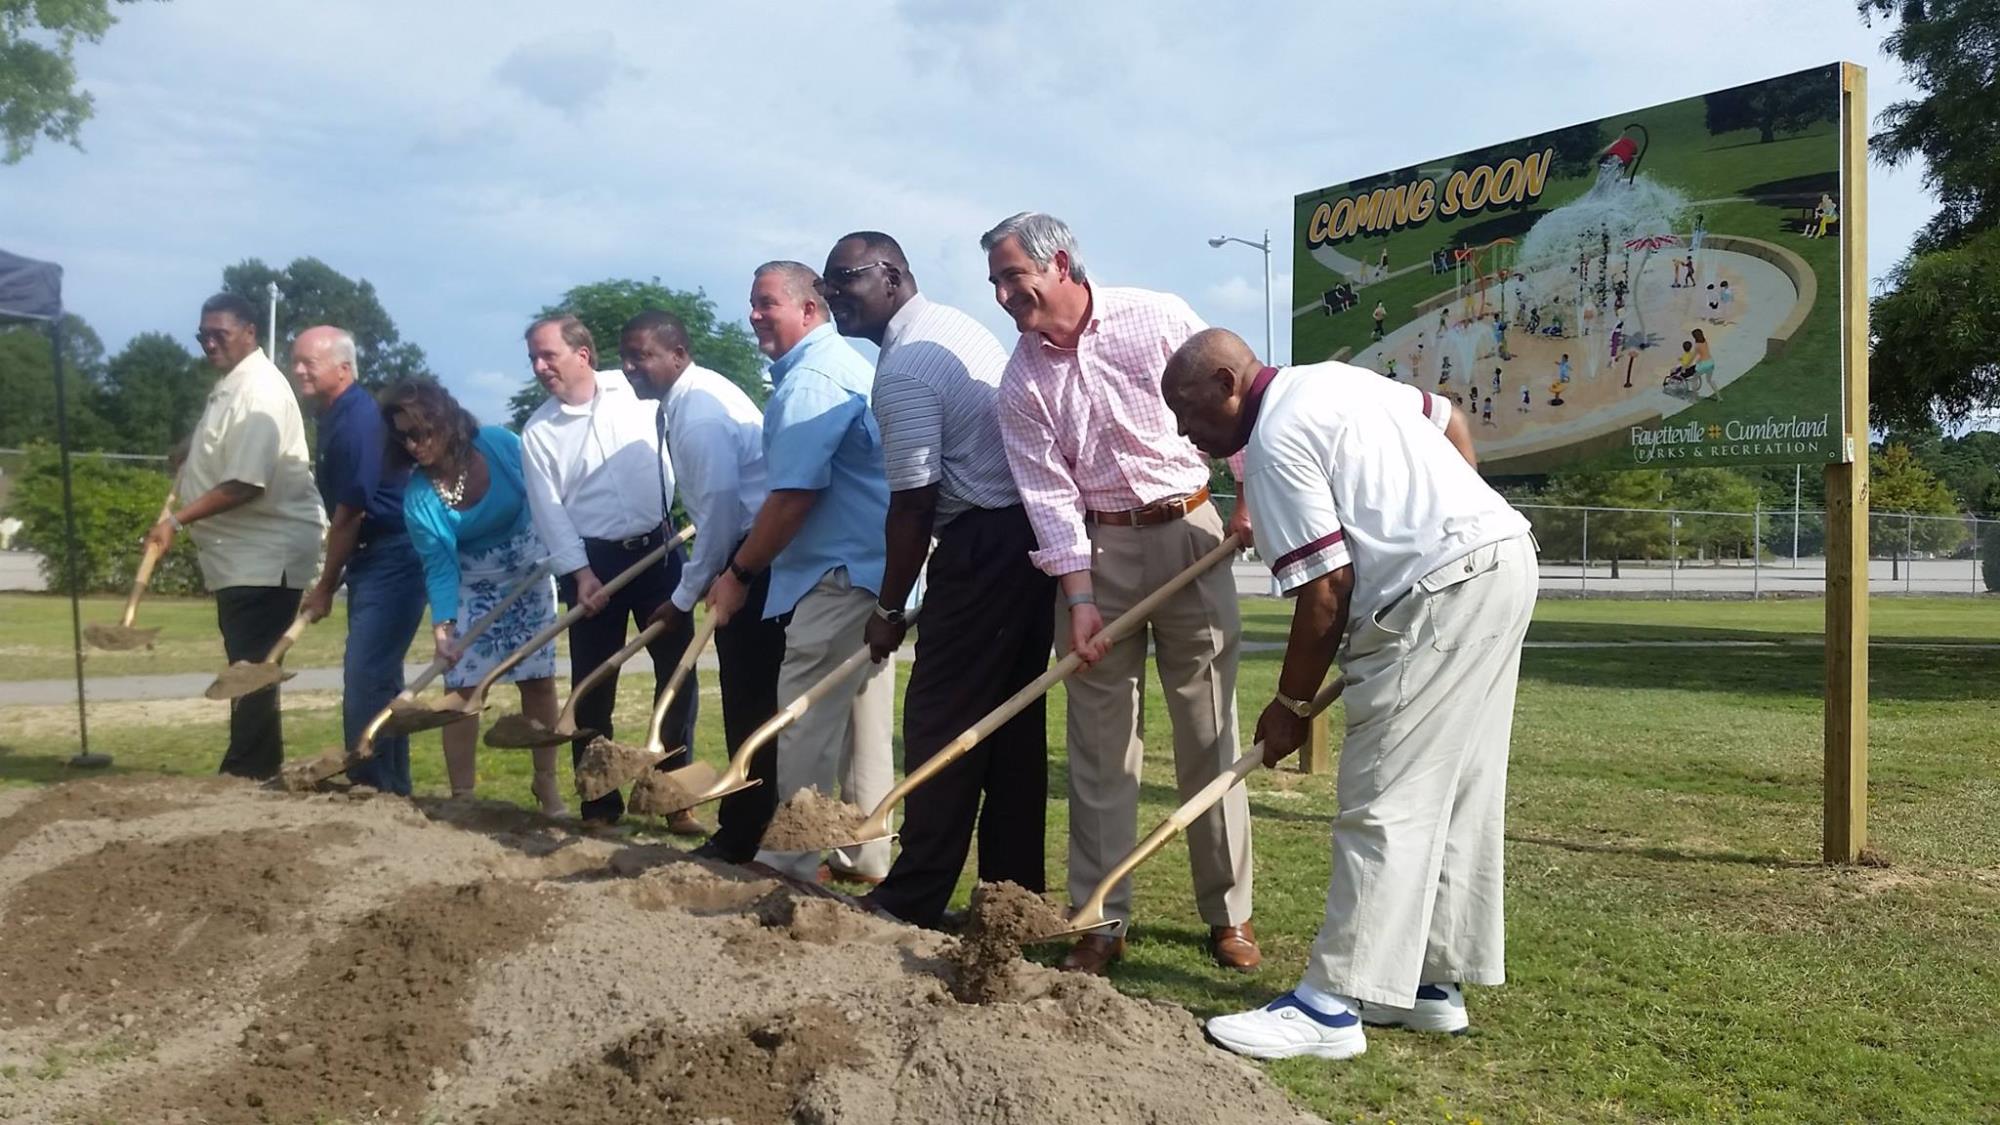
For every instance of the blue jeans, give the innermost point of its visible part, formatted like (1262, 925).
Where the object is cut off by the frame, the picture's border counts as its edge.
(385, 604)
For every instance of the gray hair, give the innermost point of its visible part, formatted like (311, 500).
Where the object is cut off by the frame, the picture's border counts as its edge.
(801, 280)
(343, 351)
(1040, 237)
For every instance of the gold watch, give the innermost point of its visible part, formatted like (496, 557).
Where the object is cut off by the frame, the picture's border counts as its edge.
(1301, 707)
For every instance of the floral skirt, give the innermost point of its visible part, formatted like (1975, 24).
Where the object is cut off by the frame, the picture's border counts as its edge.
(484, 577)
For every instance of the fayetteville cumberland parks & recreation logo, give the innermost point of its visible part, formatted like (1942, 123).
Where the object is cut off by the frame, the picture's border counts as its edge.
(1737, 438)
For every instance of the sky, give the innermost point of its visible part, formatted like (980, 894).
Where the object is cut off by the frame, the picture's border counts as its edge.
(476, 158)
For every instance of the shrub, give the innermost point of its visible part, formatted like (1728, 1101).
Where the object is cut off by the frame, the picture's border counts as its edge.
(115, 504)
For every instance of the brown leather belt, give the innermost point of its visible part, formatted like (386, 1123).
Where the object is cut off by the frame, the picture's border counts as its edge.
(1158, 512)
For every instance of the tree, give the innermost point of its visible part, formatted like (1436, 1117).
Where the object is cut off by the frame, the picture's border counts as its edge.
(153, 393)
(1614, 535)
(1781, 105)
(1936, 327)
(310, 292)
(1898, 483)
(38, 94)
(605, 306)
(28, 391)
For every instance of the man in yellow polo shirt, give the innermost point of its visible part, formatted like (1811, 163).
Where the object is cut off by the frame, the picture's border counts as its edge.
(249, 502)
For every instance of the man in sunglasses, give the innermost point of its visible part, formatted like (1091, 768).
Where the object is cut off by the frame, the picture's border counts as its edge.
(987, 608)
(248, 499)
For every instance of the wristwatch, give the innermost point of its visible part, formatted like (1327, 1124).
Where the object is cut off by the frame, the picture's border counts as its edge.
(892, 616)
(742, 573)
(1301, 707)
(1085, 598)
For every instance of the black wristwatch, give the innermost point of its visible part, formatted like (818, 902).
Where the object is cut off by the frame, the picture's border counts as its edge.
(742, 574)
(892, 616)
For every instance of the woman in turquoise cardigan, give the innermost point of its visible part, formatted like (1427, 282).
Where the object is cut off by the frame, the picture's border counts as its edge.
(468, 519)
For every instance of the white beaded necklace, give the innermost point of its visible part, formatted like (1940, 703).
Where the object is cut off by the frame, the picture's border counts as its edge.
(451, 496)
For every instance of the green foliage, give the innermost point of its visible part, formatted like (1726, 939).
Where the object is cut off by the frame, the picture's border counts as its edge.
(605, 306)
(27, 384)
(1611, 535)
(153, 393)
(38, 94)
(312, 293)
(1898, 482)
(1937, 334)
(1786, 105)
(115, 504)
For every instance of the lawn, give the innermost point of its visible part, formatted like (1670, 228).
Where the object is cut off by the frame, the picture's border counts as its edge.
(1676, 950)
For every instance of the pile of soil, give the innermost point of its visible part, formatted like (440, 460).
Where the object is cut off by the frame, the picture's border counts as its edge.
(811, 822)
(237, 956)
(656, 793)
(1001, 918)
(607, 766)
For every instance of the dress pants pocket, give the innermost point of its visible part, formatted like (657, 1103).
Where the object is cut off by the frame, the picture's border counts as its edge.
(1458, 596)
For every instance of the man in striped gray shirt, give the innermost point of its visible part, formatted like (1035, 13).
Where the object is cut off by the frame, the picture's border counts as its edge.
(988, 611)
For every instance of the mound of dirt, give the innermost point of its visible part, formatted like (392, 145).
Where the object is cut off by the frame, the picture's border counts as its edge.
(316, 958)
(656, 793)
(810, 822)
(606, 766)
(1002, 917)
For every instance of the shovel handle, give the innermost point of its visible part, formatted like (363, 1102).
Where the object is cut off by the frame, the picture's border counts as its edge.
(603, 672)
(290, 638)
(1125, 624)
(574, 615)
(540, 573)
(148, 559)
(699, 642)
(1188, 813)
(739, 763)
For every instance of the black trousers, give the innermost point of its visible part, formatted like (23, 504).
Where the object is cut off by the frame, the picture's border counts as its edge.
(252, 618)
(987, 624)
(594, 640)
(749, 650)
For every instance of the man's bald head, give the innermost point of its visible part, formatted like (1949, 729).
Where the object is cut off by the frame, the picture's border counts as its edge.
(1204, 385)
(324, 363)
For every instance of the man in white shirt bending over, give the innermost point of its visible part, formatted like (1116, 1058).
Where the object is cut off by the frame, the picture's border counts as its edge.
(1422, 579)
(600, 492)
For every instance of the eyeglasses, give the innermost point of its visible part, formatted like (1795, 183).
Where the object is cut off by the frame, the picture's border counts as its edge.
(838, 278)
(415, 435)
(206, 335)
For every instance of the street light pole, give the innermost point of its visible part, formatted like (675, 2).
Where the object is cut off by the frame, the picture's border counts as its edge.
(1270, 323)
(271, 341)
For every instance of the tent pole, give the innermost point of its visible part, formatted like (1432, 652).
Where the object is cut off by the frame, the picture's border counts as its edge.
(84, 758)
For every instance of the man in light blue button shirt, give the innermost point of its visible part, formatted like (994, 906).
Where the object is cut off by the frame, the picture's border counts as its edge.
(820, 533)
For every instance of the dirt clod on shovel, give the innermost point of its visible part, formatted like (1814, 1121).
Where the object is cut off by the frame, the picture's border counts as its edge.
(812, 822)
(656, 793)
(606, 766)
(245, 677)
(1001, 918)
(119, 638)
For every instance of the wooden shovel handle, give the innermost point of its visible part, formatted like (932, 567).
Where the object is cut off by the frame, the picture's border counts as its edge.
(739, 763)
(479, 625)
(290, 638)
(576, 614)
(148, 559)
(1124, 626)
(603, 672)
(1188, 813)
(696, 645)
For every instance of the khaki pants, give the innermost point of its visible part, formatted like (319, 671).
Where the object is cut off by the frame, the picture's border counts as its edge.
(1194, 638)
(1415, 895)
(843, 739)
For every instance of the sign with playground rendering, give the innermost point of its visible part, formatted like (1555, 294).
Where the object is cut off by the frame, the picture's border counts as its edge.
(1655, 288)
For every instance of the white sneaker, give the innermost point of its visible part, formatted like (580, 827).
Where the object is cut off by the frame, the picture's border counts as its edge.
(1439, 1007)
(1287, 1028)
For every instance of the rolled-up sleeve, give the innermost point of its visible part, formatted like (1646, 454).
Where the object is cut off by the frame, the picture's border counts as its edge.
(1297, 524)
(1048, 492)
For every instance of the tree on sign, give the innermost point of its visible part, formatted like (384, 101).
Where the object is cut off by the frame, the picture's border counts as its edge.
(605, 306)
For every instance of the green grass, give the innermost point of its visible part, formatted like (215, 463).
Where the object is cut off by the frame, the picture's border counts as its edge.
(1676, 950)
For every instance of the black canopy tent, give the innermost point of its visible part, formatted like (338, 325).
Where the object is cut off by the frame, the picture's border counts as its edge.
(32, 291)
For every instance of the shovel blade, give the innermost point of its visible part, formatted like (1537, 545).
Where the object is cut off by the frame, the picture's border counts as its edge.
(297, 777)
(519, 732)
(1078, 925)
(694, 784)
(608, 766)
(419, 719)
(246, 678)
(119, 638)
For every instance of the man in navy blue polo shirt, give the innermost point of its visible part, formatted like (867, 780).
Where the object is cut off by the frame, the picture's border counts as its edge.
(366, 546)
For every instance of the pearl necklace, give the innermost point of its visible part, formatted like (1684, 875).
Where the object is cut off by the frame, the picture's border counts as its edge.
(451, 496)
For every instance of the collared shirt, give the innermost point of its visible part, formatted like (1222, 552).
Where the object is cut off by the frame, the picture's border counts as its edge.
(820, 435)
(593, 471)
(351, 469)
(714, 436)
(1086, 428)
(935, 388)
(1350, 468)
(251, 431)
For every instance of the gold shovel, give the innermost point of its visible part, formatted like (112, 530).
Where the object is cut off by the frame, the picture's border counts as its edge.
(606, 766)
(243, 677)
(523, 732)
(123, 637)
(1090, 915)
(876, 826)
(333, 763)
(409, 719)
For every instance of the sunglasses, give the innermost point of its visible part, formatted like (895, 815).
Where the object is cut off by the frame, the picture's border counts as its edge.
(415, 435)
(214, 335)
(838, 278)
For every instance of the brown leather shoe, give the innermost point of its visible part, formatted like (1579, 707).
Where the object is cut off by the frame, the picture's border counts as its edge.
(1235, 947)
(1093, 954)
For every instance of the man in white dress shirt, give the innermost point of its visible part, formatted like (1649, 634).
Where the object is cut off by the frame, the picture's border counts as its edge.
(600, 492)
(714, 437)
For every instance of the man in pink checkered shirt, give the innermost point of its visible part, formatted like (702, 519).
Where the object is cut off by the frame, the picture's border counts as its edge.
(1119, 504)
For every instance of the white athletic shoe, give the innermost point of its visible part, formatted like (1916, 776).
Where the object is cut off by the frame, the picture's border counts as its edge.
(1287, 1028)
(1439, 1007)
